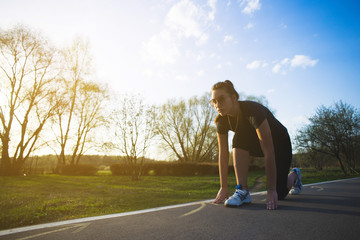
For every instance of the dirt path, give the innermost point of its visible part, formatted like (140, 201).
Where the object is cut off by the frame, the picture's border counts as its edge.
(259, 182)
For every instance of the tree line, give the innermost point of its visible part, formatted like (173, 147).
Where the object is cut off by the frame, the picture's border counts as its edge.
(51, 98)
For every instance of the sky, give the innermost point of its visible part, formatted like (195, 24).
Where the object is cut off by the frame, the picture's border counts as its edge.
(299, 54)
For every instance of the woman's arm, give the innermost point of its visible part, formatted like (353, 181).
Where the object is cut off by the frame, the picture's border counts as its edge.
(267, 146)
(223, 167)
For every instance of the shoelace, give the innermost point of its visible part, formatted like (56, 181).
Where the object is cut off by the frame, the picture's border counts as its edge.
(242, 194)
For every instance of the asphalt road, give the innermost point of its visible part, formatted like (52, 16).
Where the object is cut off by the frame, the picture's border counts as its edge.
(323, 211)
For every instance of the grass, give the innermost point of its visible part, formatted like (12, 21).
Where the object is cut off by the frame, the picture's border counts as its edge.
(47, 198)
(313, 176)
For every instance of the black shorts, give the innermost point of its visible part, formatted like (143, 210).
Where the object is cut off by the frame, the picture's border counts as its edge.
(283, 155)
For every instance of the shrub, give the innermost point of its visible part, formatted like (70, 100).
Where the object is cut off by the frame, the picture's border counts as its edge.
(174, 169)
(79, 170)
(168, 169)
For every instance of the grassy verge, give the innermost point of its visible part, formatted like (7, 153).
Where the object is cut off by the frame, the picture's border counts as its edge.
(313, 176)
(40, 199)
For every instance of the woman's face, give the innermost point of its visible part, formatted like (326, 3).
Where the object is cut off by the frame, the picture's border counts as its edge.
(222, 101)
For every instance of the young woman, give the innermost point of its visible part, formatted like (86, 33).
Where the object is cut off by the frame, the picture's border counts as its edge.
(257, 133)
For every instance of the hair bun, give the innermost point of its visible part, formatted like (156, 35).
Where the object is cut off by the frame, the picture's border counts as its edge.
(228, 86)
(229, 82)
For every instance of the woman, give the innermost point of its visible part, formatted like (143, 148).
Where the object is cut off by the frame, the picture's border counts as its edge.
(257, 133)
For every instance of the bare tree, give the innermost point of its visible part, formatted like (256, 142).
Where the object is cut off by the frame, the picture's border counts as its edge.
(89, 116)
(81, 101)
(187, 130)
(133, 123)
(26, 95)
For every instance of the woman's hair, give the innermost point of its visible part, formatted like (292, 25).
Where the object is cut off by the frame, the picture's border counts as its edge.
(227, 86)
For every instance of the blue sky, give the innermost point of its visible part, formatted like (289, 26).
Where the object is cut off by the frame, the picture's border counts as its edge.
(299, 54)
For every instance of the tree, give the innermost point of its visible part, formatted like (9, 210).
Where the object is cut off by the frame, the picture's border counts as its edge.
(89, 116)
(81, 101)
(334, 131)
(186, 129)
(133, 130)
(26, 94)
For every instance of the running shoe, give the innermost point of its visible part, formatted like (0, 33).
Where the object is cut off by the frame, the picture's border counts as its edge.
(240, 196)
(297, 187)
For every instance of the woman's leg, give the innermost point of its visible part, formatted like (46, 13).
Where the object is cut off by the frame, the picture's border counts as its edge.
(283, 157)
(294, 180)
(291, 179)
(241, 161)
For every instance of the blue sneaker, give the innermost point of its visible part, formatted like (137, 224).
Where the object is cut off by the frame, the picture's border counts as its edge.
(297, 187)
(240, 196)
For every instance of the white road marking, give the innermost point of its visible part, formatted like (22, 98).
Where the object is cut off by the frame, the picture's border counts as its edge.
(88, 219)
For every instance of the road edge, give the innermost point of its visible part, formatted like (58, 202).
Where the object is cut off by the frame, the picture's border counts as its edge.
(115, 215)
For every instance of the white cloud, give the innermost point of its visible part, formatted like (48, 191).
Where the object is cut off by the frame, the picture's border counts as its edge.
(303, 61)
(283, 66)
(276, 68)
(212, 4)
(253, 65)
(219, 66)
(249, 26)
(297, 61)
(162, 48)
(250, 6)
(285, 61)
(184, 18)
(229, 38)
(256, 64)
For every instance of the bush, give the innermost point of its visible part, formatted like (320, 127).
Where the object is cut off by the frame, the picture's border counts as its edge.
(121, 169)
(162, 168)
(168, 169)
(191, 169)
(79, 170)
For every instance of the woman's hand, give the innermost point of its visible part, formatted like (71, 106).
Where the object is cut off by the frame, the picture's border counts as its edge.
(221, 196)
(271, 200)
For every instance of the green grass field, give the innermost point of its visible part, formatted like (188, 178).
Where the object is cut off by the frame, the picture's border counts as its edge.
(47, 198)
